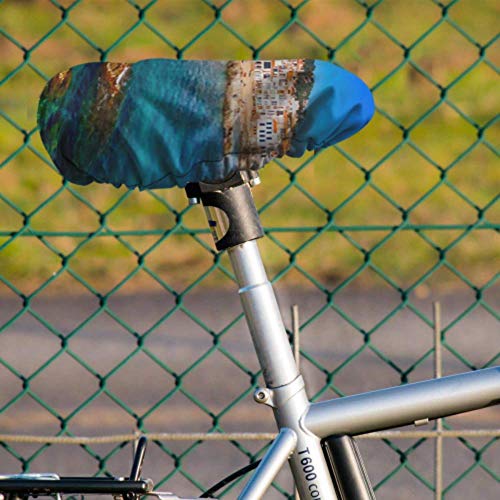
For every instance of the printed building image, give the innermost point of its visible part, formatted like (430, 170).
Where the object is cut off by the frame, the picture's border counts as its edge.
(275, 101)
(263, 105)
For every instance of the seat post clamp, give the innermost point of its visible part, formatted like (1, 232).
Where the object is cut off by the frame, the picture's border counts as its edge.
(230, 209)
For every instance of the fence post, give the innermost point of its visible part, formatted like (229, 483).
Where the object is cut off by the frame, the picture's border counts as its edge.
(438, 372)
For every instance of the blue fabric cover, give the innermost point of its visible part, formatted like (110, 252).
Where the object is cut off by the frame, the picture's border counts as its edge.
(160, 123)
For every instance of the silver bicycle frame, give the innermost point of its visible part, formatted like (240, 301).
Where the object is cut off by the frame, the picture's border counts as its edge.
(335, 469)
(307, 423)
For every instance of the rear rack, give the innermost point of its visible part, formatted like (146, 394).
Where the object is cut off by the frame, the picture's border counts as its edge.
(22, 486)
(26, 486)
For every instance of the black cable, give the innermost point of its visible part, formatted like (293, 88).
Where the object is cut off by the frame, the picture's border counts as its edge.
(230, 479)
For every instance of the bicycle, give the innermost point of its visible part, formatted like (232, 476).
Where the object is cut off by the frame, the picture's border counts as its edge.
(268, 108)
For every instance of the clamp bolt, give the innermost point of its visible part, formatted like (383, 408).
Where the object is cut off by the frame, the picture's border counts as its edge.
(262, 395)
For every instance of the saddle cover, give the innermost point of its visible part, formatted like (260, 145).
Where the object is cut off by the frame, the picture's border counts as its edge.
(160, 123)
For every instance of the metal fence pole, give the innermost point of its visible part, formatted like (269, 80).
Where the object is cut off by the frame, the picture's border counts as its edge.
(438, 451)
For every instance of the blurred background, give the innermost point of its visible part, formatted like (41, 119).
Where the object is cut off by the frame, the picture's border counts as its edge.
(118, 316)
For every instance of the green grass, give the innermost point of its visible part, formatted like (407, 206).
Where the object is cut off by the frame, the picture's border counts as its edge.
(413, 135)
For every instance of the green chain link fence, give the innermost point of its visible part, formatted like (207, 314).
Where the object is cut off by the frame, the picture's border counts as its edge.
(109, 322)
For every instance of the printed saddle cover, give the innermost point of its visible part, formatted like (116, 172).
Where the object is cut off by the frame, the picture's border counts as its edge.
(160, 123)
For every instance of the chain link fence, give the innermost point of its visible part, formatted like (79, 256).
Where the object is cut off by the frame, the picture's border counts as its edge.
(117, 316)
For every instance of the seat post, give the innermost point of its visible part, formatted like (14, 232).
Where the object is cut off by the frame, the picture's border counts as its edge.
(263, 316)
(235, 225)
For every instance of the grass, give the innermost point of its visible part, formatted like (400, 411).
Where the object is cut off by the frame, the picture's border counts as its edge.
(406, 51)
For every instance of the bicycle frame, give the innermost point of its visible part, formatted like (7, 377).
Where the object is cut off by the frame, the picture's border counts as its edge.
(316, 438)
(302, 424)
(376, 410)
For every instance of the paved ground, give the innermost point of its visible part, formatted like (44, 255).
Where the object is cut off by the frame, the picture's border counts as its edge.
(216, 382)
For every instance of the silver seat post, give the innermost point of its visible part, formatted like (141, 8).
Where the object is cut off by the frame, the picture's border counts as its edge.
(263, 316)
(235, 225)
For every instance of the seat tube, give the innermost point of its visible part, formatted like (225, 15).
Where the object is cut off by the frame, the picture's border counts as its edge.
(285, 387)
(235, 226)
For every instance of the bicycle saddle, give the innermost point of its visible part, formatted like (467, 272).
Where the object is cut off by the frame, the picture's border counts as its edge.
(160, 123)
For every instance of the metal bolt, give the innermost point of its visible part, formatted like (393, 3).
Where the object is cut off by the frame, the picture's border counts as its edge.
(261, 395)
(423, 421)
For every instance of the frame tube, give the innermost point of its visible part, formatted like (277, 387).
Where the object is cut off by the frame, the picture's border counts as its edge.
(404, 405)
(351, 478)
(271, 464)
(288, 396)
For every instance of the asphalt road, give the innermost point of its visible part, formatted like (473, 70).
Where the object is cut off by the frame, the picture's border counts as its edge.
(216, 382)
